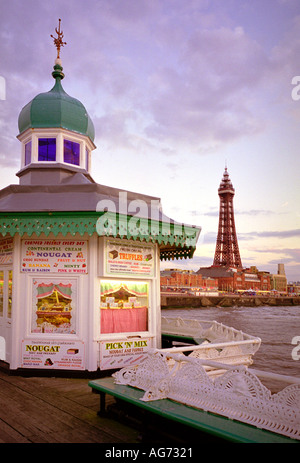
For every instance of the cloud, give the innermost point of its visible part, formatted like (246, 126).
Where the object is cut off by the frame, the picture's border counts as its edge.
(255, 212)
(251, 212)
(190, 79)
(284, 234)
(193, 264)
(292, 254)
(206, 96)
(209, 237)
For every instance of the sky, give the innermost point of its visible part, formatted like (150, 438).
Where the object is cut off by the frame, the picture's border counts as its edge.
(176, 90)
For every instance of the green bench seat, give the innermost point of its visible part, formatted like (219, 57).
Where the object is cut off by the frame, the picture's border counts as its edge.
(221, 427)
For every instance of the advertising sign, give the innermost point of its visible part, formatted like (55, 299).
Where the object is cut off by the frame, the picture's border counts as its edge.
(118, 354)
(128, 258)
(6, 251)
(53, 354)
(54, 305)
(59, 256)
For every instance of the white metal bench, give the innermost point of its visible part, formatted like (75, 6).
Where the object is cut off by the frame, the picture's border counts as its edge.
(232, 391)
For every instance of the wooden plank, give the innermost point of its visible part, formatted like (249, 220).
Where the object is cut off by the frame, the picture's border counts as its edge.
(9, 435)
(54, 410)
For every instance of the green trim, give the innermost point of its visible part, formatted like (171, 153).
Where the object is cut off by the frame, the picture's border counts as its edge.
(176, 241)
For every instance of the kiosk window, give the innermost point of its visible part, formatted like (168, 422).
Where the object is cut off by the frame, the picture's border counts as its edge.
(71, 152)
(47, 149)
(1, 292)
(28, 153)
(124, 306)
(54, 306)
(9, 294)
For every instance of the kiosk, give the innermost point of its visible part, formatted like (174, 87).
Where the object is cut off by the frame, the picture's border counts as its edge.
(79, 261)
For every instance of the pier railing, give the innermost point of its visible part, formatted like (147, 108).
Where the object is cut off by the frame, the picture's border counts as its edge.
(215, 341)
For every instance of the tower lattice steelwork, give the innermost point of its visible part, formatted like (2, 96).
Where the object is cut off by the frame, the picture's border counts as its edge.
(227, 249)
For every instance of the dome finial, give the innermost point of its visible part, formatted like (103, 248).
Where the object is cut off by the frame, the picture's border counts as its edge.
(58, 42)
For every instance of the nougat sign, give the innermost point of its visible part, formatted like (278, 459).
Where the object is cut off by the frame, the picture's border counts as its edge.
(50, 354)
(55, 256)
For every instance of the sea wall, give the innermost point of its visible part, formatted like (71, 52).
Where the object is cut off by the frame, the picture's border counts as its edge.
(182, 300)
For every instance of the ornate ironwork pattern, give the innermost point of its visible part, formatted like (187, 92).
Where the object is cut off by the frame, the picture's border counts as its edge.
(174, 244)
(236, 393)
(58, 41)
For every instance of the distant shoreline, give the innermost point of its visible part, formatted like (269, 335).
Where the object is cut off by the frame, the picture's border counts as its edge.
(177, 300)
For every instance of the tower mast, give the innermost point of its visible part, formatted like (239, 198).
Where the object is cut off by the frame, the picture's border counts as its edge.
(227, 249)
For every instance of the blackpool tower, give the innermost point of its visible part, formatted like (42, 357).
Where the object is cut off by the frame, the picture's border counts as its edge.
(227, 249)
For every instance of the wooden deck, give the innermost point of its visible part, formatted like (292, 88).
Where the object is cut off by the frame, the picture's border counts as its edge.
(55, 410)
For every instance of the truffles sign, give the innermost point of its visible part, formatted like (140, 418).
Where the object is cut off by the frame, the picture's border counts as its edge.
(129, 259)
(59, 256)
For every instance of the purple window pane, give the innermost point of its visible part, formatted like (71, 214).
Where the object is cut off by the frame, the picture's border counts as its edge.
(71, 152)
(47, 149)
(28, 153)
(86, 160)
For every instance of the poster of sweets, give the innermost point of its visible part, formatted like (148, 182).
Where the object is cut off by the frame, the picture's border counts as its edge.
(54, 303)
(119, 354)
(123, 258)
(59, 256)
(52, 354)
(6, 251)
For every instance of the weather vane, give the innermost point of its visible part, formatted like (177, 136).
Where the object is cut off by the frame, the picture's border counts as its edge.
(58, 42)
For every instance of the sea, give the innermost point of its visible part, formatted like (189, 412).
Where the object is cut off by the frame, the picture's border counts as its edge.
(277, 327)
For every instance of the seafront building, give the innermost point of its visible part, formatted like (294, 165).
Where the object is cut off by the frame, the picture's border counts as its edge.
(279, 280)
(212, 279)
(293, 288)
(172, 279)
(233, 280)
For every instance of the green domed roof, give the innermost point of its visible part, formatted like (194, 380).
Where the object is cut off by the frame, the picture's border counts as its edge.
(56, 109)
